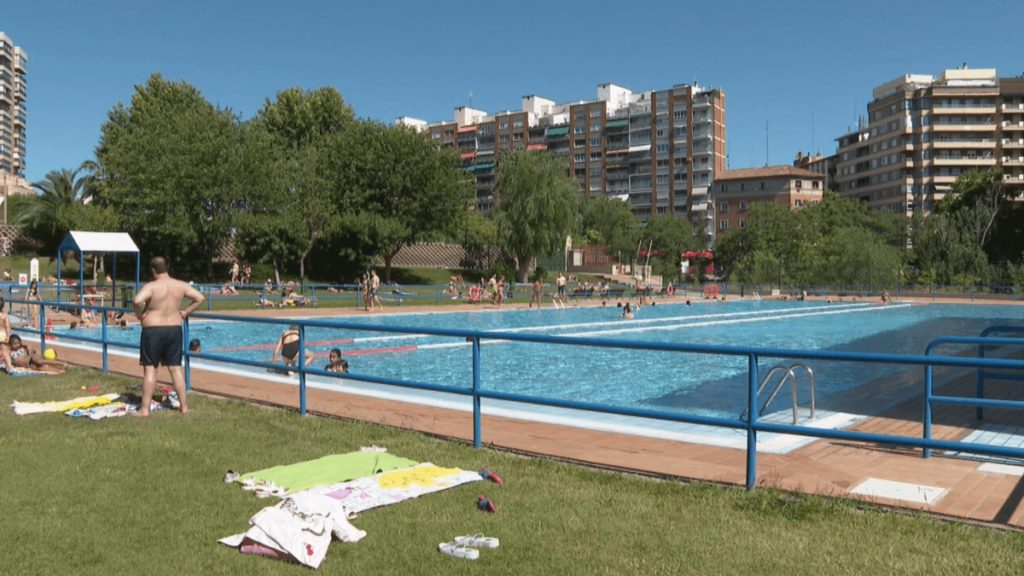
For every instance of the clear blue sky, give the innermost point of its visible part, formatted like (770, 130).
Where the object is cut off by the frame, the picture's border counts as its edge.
(792, 64)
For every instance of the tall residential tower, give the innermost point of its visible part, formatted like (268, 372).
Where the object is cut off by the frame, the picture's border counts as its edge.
(13, 88)
(659, 150)
(922, 132)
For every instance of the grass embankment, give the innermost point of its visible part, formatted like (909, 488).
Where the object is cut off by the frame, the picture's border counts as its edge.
(133, 496)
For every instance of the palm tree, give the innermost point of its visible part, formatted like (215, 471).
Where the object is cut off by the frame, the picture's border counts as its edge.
(50, 213)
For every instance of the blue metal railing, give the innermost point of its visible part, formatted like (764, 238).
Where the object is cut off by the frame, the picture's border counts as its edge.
(751, 425)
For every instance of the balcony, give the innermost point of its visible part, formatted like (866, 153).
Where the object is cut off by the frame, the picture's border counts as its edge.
(981, 127)
(964, 161)
(978, 143)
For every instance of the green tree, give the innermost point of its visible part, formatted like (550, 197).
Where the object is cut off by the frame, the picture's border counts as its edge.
(975, 202)
(398, 189)
(609, 221)
(669, 236)
(53, 211)
(169, 166)
(538, 206)
(295, 209)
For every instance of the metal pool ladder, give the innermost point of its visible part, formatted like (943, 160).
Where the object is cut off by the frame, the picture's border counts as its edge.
(787, 375)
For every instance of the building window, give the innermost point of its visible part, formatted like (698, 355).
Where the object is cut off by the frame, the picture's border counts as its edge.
(595, 171)
(503, 138)
(724, 188)
(595, 157)
(662, 178)
(799, 183)
(579, 158)
(579, 143)
(503, 125)
(580, 173)
(723, 224)
(662, 148)
(595, 112)
(518, 137)
(814, 184)
(742, 220)
(723, 207)
(763, 186)
(798, 203)
(517, 123)
(579, 129)
(578, 115)
(595, 141)
(743, 187)
(743, 204)
(596, 127)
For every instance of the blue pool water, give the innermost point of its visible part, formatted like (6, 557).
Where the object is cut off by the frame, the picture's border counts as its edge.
(694, 383)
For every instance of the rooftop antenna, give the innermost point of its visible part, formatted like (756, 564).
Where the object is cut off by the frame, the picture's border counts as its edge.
(765, 142)
(470, 98)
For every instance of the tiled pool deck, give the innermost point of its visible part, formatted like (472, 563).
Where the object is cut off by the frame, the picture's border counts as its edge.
(983, 490)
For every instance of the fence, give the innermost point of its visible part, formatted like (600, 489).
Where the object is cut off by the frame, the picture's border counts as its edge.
(751, 424)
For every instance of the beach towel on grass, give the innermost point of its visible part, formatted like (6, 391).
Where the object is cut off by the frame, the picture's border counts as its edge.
(395, 486)
(21, 408)
(27, 372)
(330, 469)
(112, 410)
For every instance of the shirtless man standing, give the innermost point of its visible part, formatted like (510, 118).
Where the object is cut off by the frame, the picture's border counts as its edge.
(158, 308)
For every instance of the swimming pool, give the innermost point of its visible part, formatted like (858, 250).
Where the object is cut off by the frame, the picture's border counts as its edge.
(692, 383)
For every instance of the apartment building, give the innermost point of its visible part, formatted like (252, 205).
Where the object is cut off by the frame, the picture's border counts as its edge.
(922, 132)
(13, 87)
(824, 165)
(659, 149)
(735, 191)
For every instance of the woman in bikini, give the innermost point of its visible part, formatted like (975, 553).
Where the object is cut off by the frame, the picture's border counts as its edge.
(288, 347)
(5, 331)
(25, 357)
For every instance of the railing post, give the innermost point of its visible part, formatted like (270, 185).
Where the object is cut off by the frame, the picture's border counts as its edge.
(103, 336)
(476, 391)
(42, 328)
(927, 406)
(263, 297)
(209, 299)
(300, 364)
(312, 296)
(751, 421)
(437, 295)
(187, 353)
(980, 385)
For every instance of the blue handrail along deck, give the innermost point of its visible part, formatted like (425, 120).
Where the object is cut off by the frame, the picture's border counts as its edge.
(751, 424)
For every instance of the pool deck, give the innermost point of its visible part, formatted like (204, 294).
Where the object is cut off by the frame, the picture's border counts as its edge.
(970, 489)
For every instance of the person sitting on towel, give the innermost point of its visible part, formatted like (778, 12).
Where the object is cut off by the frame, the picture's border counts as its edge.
(25, 357)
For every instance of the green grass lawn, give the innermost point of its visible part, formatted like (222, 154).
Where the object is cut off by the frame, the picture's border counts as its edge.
(146, 496)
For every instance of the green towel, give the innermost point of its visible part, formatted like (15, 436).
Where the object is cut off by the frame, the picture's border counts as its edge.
(330, 469)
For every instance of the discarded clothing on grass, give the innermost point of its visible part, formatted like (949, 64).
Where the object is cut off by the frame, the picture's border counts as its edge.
(395, 486)
(21, 408)
(112, 410)
(300, 527)
(329, 469)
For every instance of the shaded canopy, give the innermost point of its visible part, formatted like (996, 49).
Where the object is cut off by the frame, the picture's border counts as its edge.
(82, 242)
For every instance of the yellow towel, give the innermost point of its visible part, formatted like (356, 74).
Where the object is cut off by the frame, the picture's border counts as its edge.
(64, 405)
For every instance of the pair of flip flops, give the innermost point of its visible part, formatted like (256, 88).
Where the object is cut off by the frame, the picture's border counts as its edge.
(264, 488)
(465, 546)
